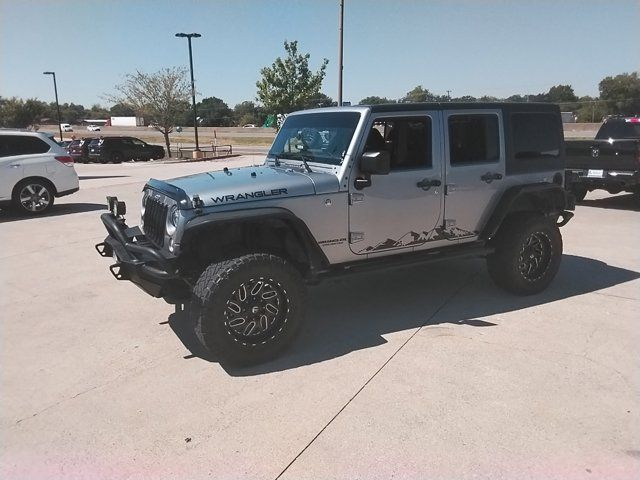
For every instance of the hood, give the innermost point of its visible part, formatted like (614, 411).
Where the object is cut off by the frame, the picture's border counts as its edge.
(250, 184)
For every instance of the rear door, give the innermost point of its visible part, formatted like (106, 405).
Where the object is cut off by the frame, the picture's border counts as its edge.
(475, 169)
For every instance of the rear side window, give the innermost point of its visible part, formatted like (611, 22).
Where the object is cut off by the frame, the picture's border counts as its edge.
(535, 136)
(22, 145)
(473, 139)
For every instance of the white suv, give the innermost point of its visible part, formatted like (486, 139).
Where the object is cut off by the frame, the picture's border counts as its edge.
(33, 170)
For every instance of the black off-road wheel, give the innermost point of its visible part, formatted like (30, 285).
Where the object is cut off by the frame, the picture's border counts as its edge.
(248, 309)
(528, 254)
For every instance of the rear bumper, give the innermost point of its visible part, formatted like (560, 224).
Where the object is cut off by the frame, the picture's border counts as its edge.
(611, 180)
(138, 261)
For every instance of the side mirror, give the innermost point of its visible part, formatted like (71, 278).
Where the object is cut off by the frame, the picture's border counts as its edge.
(375, 163)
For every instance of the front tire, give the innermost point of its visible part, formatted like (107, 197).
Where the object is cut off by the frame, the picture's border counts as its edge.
(527, 256)
(248, 309)
(33, 197)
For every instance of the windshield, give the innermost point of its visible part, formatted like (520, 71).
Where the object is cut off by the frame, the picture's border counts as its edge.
(316, 137)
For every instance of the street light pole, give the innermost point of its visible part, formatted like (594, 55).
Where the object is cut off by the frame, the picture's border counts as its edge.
(189, 36)
(55, 89)
(340, 48)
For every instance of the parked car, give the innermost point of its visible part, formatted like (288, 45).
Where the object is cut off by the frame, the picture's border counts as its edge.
(66, 127)
(35, 170)
(93, 128)
(65, 144)
(121, 149)
(249, 125)
(610, 162)
(387, 186)
(79, 150)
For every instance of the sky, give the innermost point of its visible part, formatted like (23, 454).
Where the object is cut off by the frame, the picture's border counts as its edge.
(481, 47)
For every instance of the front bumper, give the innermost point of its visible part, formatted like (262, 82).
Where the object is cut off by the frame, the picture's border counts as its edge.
(139, 261)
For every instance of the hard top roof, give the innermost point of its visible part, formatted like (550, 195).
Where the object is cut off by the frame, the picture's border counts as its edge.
(420, 107)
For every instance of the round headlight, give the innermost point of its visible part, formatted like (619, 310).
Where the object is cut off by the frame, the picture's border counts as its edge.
(173, 216)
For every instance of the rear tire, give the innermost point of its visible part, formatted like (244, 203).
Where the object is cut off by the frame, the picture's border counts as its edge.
(116, 157)
(528, 254)
(248, 309)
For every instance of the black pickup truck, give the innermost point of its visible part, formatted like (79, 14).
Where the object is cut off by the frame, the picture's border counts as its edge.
(610, 162)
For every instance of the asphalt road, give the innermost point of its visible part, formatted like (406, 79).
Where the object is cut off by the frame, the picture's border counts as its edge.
(420, 373)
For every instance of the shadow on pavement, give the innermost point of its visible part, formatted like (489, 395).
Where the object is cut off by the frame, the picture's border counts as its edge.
(354, 313)
(56, 210)
(619, 202)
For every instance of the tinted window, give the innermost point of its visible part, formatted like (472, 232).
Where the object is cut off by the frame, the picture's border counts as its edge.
(22, 145)
(473, 138)
(619, 129)
(408, 141)
(535, 135)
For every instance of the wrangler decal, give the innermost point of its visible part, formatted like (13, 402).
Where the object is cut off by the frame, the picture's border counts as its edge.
(244, 196)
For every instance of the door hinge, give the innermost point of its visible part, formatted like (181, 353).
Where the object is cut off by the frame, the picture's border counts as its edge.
(355, 198)
(355, 237)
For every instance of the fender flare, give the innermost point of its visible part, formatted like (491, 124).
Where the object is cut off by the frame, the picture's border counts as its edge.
(545, 198)
(317, 259)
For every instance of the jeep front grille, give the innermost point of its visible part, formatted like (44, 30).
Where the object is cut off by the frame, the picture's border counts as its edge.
(155, 218)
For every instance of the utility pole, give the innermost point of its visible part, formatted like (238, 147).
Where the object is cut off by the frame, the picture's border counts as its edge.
(55, 89)
(340, 47)
(189, 36)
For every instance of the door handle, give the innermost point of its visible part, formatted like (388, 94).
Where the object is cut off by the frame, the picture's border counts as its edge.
(15, 165)
(490, 177)
(426, 184)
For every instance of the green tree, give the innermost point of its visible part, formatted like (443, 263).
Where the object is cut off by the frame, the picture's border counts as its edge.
(18, 113)
(288, 84)
(561, 94)
(418, 95)
(374, 100)
(121, 110)
(321, 100)
(621, 93)
(248, 112)
(212, 111)
(162, 97)
(590, 109)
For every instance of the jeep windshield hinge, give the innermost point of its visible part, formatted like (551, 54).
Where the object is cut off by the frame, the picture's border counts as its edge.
(355, 198)
(355, 237)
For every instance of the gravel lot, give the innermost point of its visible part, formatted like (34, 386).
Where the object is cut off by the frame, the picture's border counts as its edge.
(425, 372)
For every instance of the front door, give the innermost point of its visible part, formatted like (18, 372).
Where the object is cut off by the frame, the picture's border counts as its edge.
(474, 170)
(399, 211)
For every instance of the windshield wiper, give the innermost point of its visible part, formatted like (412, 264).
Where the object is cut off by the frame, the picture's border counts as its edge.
(296, 156)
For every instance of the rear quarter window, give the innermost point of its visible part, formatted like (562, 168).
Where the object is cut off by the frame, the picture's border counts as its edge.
(535, 142)
(535, 136)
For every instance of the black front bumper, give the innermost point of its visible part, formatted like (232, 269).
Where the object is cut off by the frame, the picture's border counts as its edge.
(139, 261)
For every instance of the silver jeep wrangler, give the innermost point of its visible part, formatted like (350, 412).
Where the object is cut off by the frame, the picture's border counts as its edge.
(342, 190)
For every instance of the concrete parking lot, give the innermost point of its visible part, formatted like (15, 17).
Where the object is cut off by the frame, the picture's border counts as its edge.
(428, 372)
